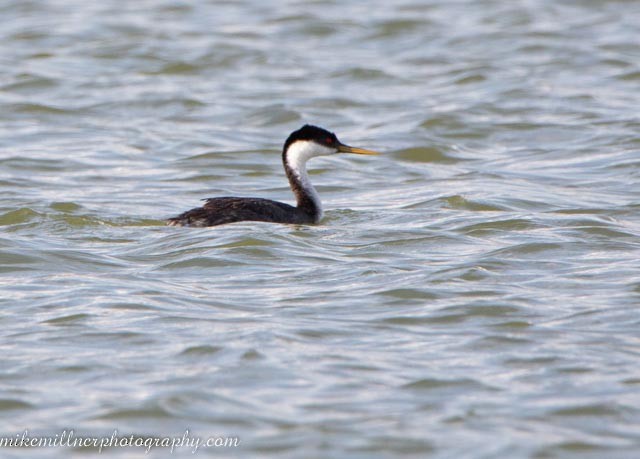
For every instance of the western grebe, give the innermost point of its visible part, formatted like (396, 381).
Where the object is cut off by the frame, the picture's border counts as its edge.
(301, 145)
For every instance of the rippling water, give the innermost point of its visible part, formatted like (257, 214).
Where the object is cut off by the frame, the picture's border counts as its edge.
(472, 293)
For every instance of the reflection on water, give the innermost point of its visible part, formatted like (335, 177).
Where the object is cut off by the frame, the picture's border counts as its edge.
(470, 293)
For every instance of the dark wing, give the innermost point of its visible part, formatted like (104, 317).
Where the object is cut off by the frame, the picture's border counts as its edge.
(218, 211)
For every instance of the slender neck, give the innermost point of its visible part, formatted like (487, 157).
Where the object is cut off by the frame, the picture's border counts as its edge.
(295, 166)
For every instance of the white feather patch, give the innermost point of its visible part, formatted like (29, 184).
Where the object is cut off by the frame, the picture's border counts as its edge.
(298, 154)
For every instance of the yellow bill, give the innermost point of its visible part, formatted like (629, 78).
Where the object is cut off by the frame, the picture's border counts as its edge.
(342, 148)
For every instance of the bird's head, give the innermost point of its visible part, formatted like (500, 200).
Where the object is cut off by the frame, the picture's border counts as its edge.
(311, 141)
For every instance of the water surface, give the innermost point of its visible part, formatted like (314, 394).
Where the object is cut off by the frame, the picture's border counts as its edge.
(471, 293)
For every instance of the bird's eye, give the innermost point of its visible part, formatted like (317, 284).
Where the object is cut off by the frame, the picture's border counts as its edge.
(329, 140)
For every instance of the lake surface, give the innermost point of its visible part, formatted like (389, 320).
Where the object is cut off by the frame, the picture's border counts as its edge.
(474, 292)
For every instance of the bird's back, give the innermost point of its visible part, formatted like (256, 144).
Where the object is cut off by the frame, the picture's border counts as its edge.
(218, 211)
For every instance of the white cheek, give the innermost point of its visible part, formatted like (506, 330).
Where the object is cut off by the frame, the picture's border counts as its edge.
(302, 151)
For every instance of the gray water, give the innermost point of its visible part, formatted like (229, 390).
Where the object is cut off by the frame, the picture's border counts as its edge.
(471, 293)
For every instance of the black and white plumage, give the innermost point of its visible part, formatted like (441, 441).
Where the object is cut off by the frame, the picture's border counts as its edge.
(302, 145)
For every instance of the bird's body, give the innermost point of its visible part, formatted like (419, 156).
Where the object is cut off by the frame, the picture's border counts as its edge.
(302, 145)
(218, 211)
